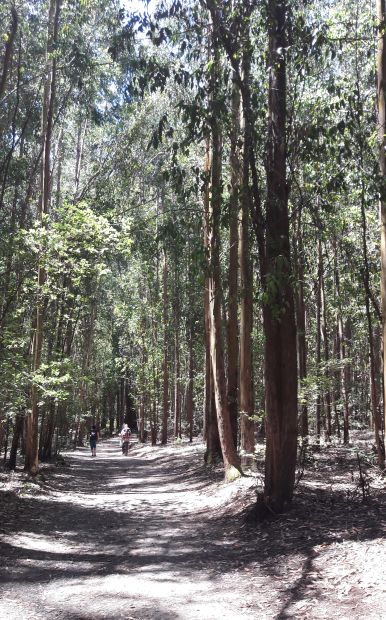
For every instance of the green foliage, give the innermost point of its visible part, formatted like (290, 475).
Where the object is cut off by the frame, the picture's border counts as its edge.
(134, 107)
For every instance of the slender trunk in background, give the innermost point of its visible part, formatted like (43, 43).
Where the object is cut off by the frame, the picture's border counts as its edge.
(337, 381)
(82, 127)
(381, 126)
(301, 320)
(324, 334)
(10, 293)
(45, 451)
(319, 406)
(143, 398)
(111, 412)
(177, 391)
(213, 453)
(247, 425)
(59, 169)
(17, 433)
(154, 408)
(189, 393)
(7, 58)
(231, 460)
(88, 330)
(131, 415)
(337, 373)
(344, 371)
(376, 421)
(207, 368)
(141, 428)
(165, 366)
(54, 349)
(190, 329)
(278, 311)
(105, 417)
(117, 408)
(6, 439)
(232, 331)
(156, 363)
(177, 361)
(153, 427)
(122, 399)
(346, 379)
(32, 420)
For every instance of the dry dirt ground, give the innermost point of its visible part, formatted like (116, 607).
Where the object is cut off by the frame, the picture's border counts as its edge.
(156, 535)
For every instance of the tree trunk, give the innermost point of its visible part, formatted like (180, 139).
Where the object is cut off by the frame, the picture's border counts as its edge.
(376, 421)
(177, 361)
(59, 155)
(131, 415)
(319, 405)
(118, 414)
(337, 373)
(324, 334)
(111, 403)
(278, 312)
(153, 424)
(122, 399)
(17, 433)
(213, 445)
(381, 125)
(82, 127)
(344, 369)
(32, 420)
(6, 439)
(213, 452)
(45, 452)
(189, 394)
(54, 351)
(345, 344)
(231, 460)
(141, 425)
(165, 397)
(301, 321)
(8, 53)
(232, 331)
(247, 425)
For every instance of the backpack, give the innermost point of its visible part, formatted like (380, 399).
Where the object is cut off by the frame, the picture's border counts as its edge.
(93, 434)
(126, 436)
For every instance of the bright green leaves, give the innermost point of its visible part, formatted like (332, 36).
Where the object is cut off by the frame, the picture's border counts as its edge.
(55, 379)
(77, 246)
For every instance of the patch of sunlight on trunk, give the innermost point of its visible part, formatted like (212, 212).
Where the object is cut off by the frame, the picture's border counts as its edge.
(232, 473)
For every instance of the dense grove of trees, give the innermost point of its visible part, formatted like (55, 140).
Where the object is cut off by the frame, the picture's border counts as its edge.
(189, 240)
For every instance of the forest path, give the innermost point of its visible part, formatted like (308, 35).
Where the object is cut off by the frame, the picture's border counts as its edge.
(150, 537)
(117, 537)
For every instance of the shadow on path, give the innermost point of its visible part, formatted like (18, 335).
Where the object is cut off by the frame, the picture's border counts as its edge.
(110, 524)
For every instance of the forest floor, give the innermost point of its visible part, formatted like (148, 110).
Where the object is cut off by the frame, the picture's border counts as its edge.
(158, 536)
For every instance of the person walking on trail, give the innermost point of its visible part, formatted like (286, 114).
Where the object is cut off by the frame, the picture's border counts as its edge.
(125, 439)
(94, 436)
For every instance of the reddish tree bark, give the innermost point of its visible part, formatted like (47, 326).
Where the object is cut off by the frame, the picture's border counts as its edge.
(278, 312)
(381, 125)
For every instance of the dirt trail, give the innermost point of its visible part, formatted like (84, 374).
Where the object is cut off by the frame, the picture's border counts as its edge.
(115, 537)
(146, 537)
